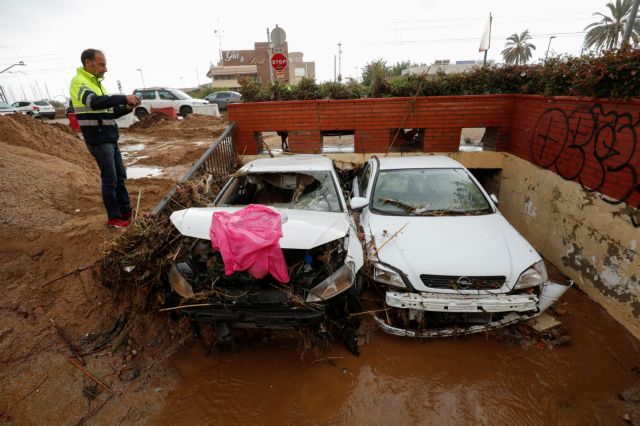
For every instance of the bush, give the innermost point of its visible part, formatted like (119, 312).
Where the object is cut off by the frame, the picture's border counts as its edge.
(252, 91)
(614, 74)
(306, 89)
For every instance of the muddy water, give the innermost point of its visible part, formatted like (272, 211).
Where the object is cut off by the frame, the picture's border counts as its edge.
(478, 379)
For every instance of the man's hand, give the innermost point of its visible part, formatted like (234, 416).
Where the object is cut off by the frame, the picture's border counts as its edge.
(133, 101)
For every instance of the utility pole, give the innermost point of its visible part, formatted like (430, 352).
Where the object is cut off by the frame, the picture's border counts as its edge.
(197, 77)
(340, 62)
(548, 46)
(218, 33)
(334, 67)
(141, 77)
(47, 89)
(484, 61)
(630, 23)
(269, 54)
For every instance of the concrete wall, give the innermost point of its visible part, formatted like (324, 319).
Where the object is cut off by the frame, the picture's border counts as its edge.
(592, 242)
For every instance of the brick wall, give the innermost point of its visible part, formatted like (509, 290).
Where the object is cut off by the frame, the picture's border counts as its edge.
(593, 142)
(442, 117)
(590, 141)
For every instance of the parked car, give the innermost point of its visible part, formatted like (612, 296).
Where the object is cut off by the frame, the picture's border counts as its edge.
(163, 97)
(448, 261)
(6, 109)
(223, 98)
(36, 109)
(319, 242)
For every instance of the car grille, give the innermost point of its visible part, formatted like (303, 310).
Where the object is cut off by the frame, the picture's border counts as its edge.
(452, 282)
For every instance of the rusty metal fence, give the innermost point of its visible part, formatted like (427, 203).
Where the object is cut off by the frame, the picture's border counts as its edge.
(219, 159)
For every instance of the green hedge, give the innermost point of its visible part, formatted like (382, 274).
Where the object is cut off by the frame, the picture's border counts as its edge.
(613, 75)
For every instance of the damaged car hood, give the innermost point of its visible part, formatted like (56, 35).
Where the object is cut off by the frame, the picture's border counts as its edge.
(301, 229)
(482, 245)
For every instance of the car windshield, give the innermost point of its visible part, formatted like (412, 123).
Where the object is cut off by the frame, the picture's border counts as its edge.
(42, 103)
(310, 190)
(428, 192)
(180, 94)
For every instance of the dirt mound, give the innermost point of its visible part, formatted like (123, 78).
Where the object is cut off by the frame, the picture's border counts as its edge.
(27, 132)
(53, 231)
(65, 128)
(149, 121)
(47, 176)
(194, 126)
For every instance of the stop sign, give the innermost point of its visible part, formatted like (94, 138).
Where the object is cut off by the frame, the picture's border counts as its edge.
(279, 61)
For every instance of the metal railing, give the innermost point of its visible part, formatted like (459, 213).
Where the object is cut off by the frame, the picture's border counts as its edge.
(219, 160)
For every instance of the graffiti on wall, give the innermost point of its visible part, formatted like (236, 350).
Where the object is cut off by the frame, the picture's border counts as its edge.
(598, 149)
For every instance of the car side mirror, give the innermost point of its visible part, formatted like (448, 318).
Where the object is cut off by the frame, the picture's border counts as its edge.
(494, 199)
(358, 203)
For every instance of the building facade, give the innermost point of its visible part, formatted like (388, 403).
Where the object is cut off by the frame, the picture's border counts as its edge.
(236, 65)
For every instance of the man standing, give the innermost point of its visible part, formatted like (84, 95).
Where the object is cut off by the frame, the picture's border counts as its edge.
(97, 112)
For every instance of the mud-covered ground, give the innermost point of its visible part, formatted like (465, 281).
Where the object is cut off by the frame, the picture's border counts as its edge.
(147, 368)
(53, 230)
(479, 379)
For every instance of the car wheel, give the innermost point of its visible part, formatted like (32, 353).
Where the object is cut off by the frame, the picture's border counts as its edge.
(141, 113)
(185, 110)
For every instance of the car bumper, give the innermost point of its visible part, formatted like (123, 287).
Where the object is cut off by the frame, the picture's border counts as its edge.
(251, 316)
(515, 308)
(459, 303)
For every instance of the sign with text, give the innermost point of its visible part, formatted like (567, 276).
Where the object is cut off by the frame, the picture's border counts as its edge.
(242, 57)
(279, 61)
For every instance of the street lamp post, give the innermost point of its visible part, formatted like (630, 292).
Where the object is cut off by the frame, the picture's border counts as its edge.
(142, 77)
(548, 46)
(11, 66)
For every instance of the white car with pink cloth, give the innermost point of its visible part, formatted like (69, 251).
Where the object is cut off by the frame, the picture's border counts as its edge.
(285, 249)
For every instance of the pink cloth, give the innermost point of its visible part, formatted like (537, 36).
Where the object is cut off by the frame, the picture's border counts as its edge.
(249, 240)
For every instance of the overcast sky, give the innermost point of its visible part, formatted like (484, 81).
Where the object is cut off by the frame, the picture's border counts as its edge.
(173, 43)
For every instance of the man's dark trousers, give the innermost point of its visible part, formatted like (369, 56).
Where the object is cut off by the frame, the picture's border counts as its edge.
(113, 174)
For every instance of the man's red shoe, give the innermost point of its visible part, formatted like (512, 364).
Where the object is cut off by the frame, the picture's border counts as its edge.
(118, 223)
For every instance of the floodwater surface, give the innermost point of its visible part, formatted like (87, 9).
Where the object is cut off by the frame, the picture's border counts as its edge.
(478, 379)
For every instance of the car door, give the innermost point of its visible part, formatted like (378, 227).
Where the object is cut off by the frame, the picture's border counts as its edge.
(148, 98)
(362, 187)
(167, 99)
(361, 181)
(222, 100)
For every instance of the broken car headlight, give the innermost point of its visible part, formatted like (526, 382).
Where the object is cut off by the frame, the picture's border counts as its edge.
(336, 283)
(386, 275)
(532, 277)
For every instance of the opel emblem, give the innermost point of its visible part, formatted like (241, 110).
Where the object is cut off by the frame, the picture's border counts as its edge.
(464, 283)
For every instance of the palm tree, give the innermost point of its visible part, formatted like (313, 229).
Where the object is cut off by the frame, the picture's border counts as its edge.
(517, 50)
(607, 33)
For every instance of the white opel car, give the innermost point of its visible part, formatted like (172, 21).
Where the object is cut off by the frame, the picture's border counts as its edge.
(448, 262)
(163, 97)
(319, 242)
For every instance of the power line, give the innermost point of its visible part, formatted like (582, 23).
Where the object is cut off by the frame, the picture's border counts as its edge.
(484, 17)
